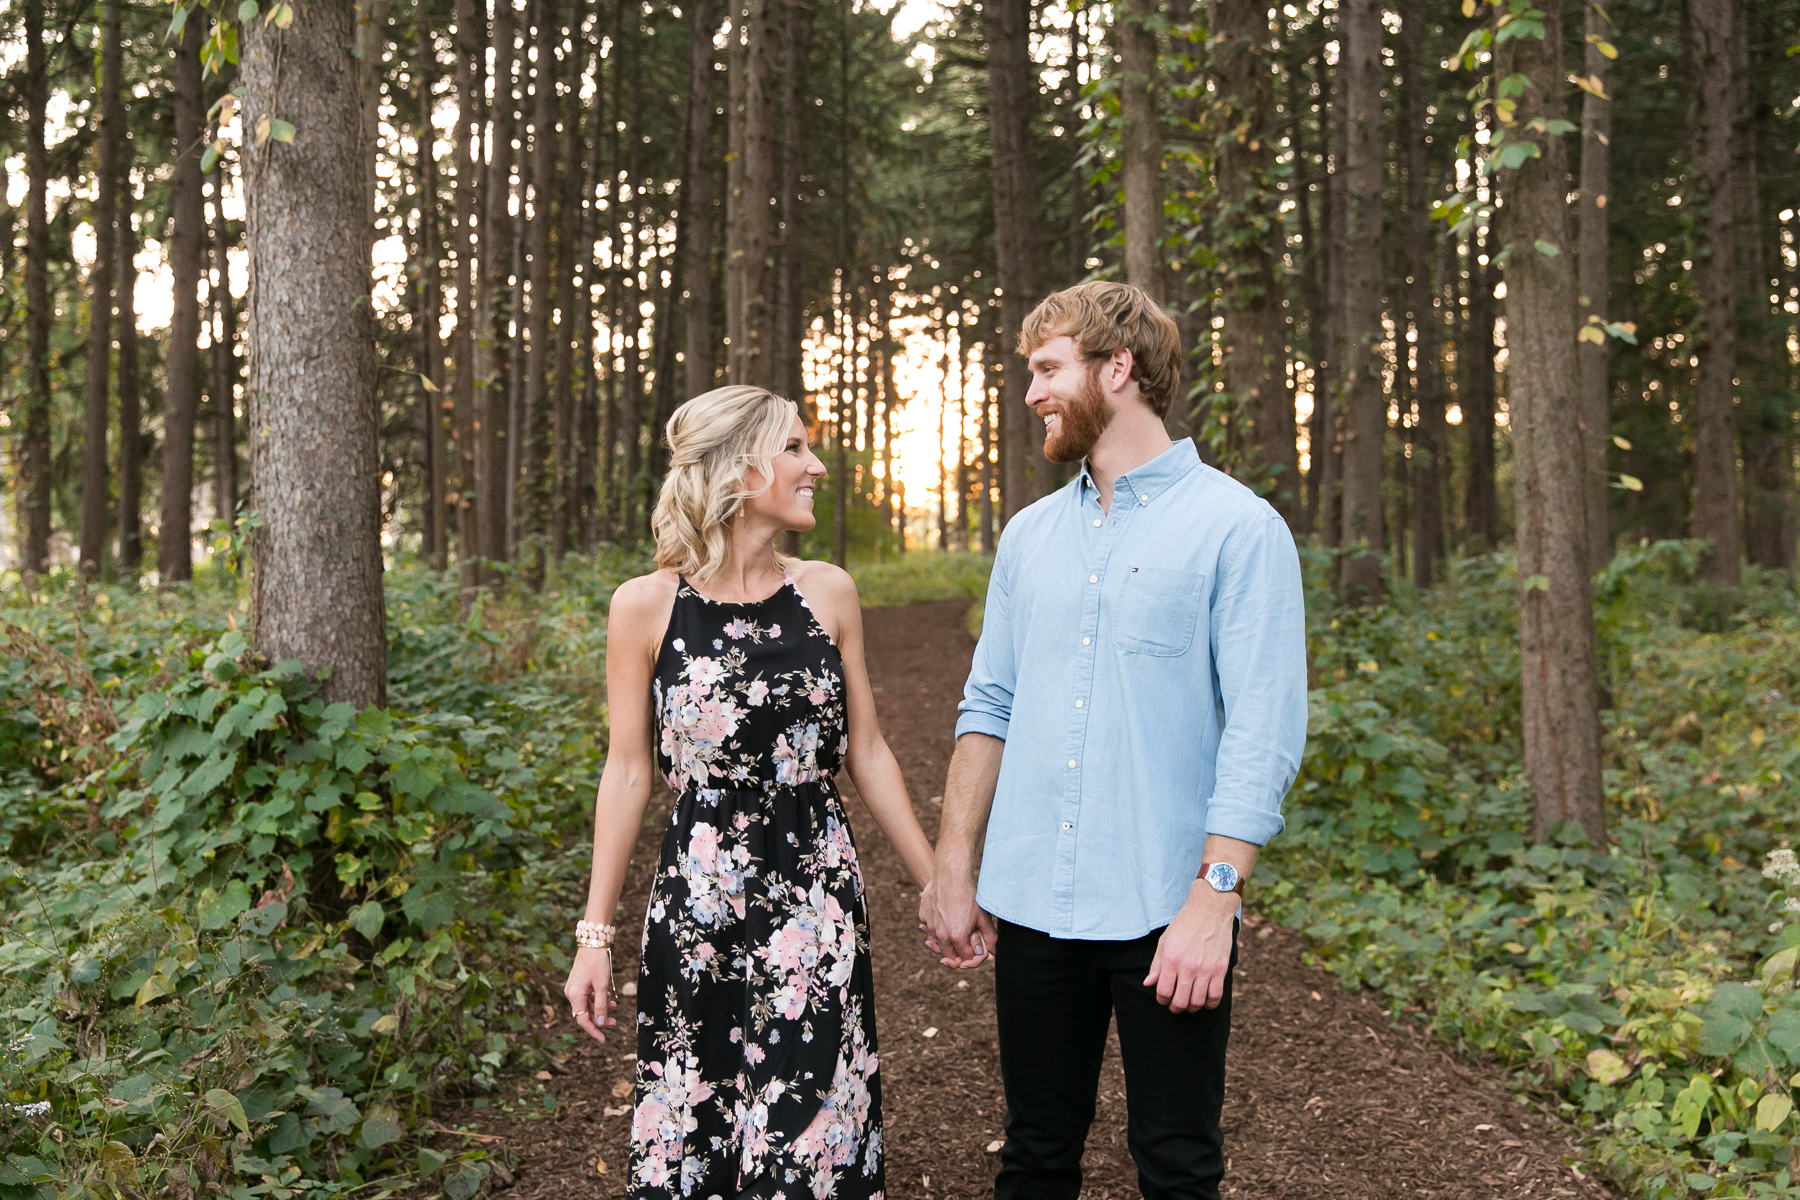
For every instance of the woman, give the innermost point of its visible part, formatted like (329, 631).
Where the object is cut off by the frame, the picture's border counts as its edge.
(756, 1067)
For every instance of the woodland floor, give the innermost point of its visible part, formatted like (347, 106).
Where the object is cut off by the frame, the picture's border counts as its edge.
(1326, 1097)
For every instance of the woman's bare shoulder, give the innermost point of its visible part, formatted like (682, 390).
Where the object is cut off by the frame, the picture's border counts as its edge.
(640, 601)
(828, 580)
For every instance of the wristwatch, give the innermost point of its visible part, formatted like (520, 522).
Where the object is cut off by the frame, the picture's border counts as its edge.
(1222, 877)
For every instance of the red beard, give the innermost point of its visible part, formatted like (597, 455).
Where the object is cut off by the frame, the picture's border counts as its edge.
(1084, 419)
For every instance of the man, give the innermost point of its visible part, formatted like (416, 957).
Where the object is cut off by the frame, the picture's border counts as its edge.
(1134, 715)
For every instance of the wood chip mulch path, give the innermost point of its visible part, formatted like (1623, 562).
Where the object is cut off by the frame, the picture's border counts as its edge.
(1326, 1097)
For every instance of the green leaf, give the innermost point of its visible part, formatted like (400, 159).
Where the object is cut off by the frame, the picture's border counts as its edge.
(463, 1183)
(1772, 1111)
(1606, 1067)
(1547, 249)
(1536, 583)
(211, 158)
(281, 131)
(367, 918)
(386, 1023)
(154, 987)
(1701, 1183)
(247, 10)
(119, 1164)
(1513, 155)
(1631, 483)
(1725, 1024)
(381, 1127)
(226, 1105)
(178, 22)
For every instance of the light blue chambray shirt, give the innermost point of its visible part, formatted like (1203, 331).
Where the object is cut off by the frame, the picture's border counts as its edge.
(1146, 667)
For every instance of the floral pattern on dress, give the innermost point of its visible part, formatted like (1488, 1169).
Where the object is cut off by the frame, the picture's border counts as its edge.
(757, 1067)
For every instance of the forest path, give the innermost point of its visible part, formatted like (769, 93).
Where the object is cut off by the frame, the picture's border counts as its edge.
(1326, 1097)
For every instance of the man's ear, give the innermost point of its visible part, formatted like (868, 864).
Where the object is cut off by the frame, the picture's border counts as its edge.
(1118, 370)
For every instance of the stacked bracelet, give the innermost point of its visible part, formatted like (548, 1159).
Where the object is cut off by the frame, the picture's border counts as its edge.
(591, 935)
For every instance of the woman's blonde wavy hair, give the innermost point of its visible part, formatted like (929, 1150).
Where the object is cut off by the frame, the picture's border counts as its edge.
(714, 439)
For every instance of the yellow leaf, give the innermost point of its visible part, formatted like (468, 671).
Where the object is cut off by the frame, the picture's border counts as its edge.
(1369, 665)
(1631, 483)
(1620, 442)
(1773, 1110)
(154, 986)
(429, 386)
(1607, 48)
(1600, 200)
(1606, 1067)
(600, 1165)
(1757, 737)
(1468, 8)
(262, 130)
(386, 1024)
(1591, 333)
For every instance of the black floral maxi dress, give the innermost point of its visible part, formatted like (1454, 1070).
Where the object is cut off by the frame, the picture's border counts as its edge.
(756, 1021)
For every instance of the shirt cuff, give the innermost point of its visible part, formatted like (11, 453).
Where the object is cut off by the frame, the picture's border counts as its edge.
(980, 722)
(1245, 822)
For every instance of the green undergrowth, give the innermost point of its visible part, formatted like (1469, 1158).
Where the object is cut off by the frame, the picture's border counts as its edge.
(1646, 987)
(250, 940)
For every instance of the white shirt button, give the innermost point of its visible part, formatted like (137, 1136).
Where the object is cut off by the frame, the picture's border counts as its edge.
(1085, 641)
(1093, 579)
(1066, 825)
(1143, 499)
(1071, 764)
(1079, 703)
(1096, 522)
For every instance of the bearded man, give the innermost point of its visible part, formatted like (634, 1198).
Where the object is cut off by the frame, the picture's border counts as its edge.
(1134, 715)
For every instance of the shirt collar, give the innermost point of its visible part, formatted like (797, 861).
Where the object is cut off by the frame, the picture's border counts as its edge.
(1149, 480)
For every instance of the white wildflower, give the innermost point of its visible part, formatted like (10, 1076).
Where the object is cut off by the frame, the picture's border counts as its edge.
(36, 1109)
(1775, 927)
(1781, 865)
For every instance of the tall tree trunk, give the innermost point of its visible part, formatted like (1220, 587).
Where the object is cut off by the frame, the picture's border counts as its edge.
(587, 459)
(131, 429)
(494, 323)
(1249, 231)
(737, 96)
(431, 306)
(1558, 694)
(570, 209)
(790, 282)
(535, 490)
(1711, 32)
(470, 69)
(631, 402)
(1365, 407)
(1591, 355)
(759, 186)
(224, 362)
(34, 436)
(1312, 254)
(1011, 91)
(1766, 423)
(316, 462)
(1145, 262)
(187, 239)
(97, 374)
(1328, 399)
(1428, 393)
(697, 201)
(1481, 506)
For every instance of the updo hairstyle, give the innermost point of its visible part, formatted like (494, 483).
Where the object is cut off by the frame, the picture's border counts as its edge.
(714, 439)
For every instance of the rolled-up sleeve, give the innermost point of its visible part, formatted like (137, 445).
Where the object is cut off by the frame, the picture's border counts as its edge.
(987, 701)
(1259, 652)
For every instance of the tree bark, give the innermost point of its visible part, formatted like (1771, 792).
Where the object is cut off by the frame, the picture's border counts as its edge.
(759, 188)
(698, 201)
(1327, 441)
(429, 292)
(97, 374)
(1710, 28)
(1559, 699)
(565, 448)
(34, 435)
(1248, 232)
(1365, 407)
(1426, 465)
(737, 94)
(790, 282)
(1481, 506)
(187, 234)
(496, 309)
(224, 362)
(131, 427)
(533, 498)
(315, 459)
(470, 69)
(1011, 91)
(1591, 356)
(1145, 262)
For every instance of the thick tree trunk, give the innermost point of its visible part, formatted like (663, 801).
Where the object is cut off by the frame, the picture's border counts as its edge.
(470, 69)
(318, 593)
(187, 239)
(97, 374)
(533, 497)
(565, 449)
(224, 362)
(587, 458)
(1011, 90)
(1328, 442)
(1428, 458)
(698, 201)
(494, 324)
(790, 281)
(1365, 407)
(737, 95)
(759, 186)
(34, 435)
(1145, 262)
(1248, 231)
(1558, 695)
(1591, 355)
(1481, 506)
(131, 430)
(1765, 427)
(1710, 25)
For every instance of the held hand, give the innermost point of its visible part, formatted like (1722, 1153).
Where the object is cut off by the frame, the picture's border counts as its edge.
(589, 991)
(1193, 956)
(955, 927)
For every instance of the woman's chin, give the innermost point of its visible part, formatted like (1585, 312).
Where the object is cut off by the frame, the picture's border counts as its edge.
(803, 522)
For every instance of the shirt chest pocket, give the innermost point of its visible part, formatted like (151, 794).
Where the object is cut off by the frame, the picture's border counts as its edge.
(1158, 611)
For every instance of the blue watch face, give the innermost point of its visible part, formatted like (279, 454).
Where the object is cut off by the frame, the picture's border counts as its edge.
(1222, 876)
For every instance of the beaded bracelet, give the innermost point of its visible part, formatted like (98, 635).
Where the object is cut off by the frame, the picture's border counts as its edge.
(591, 935)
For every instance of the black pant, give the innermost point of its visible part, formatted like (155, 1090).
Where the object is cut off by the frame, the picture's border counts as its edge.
(1055, 996)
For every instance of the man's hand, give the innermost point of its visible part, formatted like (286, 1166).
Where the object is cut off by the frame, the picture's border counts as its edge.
(1193, 956)
(955, 926)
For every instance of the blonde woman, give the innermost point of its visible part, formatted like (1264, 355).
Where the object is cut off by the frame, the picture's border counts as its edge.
(736, 676)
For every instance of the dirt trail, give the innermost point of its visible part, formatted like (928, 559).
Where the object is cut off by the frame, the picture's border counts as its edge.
(1326, 1098)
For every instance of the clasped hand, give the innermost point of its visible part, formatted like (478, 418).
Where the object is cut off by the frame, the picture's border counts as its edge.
(955, 927)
